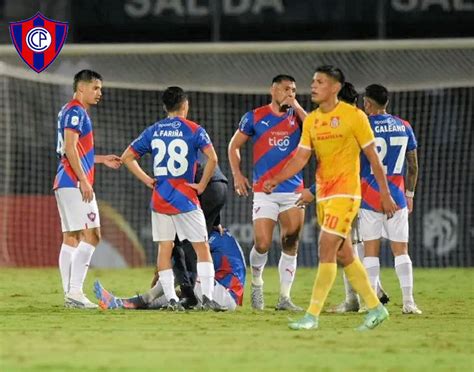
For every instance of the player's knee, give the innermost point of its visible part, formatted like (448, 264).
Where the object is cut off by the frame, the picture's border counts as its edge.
(290, 243)
(92, 236)
(262, 245)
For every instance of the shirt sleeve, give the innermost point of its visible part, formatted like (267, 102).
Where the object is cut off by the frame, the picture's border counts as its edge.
(202, 139)
(142, 145)
(74, 119)
(305, 140)
(362, 130)
(246, 124)
(412, 143)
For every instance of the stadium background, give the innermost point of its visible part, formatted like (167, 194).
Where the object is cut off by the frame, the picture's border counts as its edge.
(432, 84)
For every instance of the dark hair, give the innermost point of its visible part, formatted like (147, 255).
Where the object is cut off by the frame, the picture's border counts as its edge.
(282, 77)
(333, 72)
(87, 76)
(378, 93)
(173, 98)
(348, 93)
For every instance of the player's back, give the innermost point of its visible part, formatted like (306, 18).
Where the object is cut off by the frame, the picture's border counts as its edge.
(229, 263)
(73, 116)
(174, 144)
(393, 138)
(275, 139)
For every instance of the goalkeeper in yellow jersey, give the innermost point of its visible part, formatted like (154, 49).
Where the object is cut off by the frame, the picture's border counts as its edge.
(337, 132)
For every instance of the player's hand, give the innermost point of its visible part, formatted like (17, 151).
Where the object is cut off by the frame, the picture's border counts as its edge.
(155, 278)
(241, 185)
(409, 204)
(290, 101)
(305, 198)
(269, 186)
(112, 161)
(150, 183)
(198, 187)
(388, 205)
(87, 191)
(219, 229)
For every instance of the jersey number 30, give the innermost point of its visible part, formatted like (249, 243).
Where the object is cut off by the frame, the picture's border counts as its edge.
(382, 148)
(177, 163)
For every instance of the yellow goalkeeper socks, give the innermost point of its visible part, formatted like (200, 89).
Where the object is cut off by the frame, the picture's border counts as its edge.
(322, 285)
(359, 280)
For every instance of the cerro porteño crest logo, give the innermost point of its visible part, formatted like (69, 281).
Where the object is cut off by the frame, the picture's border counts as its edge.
(38, 40)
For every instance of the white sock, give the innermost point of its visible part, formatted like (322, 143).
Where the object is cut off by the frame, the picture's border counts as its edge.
(65, 259)
(167, 282)
(205, 271)
(404, 270)
(359, 248)
(287, 270)
(372, 265)
(257, 264)
(79, 266)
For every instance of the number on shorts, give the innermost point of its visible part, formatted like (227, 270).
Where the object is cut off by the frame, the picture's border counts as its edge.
(177, 163)
(331, 221)
(382, 149)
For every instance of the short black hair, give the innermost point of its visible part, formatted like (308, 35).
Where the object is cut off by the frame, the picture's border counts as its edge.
(332, 71)
(348, 93)
(378, 93)
(173, 98)
(283, 77)
(87, 76)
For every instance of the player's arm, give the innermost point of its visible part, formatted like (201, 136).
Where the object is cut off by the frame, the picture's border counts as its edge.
(293, 102)
(208, 171)
(71, 137)
(129, 158)
(388, 205)
(111, 161)
(294, 165)
(241, 183)
(411, 177)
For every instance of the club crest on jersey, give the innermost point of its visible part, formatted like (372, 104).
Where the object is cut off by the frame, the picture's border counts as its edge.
(334, 122)
(91, 216)
(38, 40)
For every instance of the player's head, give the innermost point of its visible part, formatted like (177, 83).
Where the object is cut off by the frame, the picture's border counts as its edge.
(327, 82)
(348, 94)
(87, 87)
(283, 86)
(375, 98)
(175, 100)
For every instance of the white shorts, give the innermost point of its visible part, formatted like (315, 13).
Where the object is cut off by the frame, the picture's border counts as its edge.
(76, 214)
(221, 295)
(271, 205)
(188, 225)
(375, 225)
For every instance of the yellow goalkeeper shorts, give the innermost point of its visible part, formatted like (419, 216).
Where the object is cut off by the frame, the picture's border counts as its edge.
(335, 215)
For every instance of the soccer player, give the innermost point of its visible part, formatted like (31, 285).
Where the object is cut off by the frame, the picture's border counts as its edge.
(73, 187)
(229, 266)
(336, 132)
(351, 303)
(174, 143)
(395, 143)
(275, 130)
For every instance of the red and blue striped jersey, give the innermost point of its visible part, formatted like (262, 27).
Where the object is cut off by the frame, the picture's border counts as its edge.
(173, 144)
(393, 138)
(229, 264)
(275, 139)
(73, 116)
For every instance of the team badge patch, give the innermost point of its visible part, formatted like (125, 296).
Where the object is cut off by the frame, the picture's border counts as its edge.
(91, 216)
(38, 40)
(334, 121)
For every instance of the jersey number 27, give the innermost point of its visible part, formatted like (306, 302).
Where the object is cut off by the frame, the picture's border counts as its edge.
(382, 149)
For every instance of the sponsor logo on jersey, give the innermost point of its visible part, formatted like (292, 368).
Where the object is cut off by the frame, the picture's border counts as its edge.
(281, 143)
(38, 40)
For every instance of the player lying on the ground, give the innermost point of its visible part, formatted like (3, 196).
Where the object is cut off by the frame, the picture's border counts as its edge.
(229, 266)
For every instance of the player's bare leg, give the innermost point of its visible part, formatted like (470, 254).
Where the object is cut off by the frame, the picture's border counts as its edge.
(291, 225)
(89, 239)
(263, 231)
(404, 270)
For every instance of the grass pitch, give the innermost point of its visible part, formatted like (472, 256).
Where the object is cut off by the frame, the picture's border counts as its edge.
(38, 333)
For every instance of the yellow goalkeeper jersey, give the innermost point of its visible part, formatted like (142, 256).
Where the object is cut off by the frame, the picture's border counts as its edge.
(337, 138)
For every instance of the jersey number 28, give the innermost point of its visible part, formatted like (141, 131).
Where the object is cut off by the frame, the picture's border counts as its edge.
(177, 163)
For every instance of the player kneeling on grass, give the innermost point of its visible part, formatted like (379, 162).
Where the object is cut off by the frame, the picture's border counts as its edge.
(229, 266)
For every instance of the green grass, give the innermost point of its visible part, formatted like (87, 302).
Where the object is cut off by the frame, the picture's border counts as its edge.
(37, 333)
